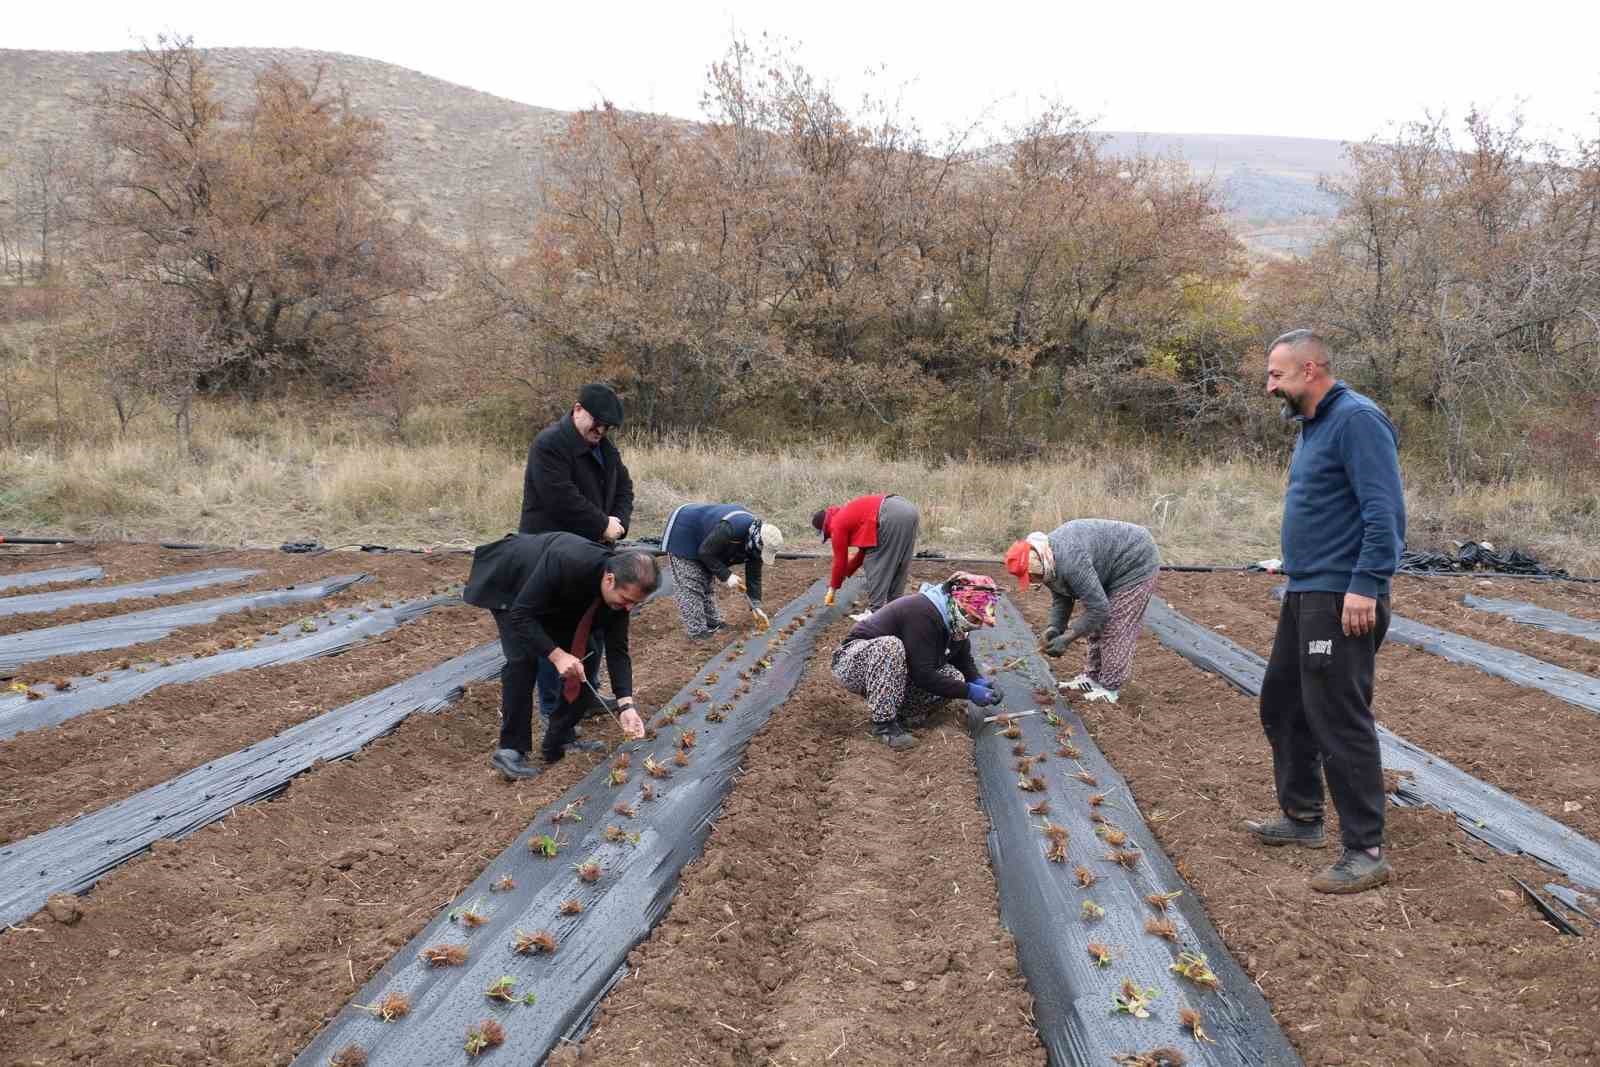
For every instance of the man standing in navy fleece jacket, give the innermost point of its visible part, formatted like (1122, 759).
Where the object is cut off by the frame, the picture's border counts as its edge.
(1344, 523)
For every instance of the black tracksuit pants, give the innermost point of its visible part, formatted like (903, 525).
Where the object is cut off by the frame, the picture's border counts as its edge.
(517, 680)
(1316, 709)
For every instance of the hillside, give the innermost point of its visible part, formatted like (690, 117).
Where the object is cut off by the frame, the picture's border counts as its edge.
(458, 153)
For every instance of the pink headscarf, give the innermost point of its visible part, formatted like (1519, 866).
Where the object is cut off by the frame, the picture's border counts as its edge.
(973, 598)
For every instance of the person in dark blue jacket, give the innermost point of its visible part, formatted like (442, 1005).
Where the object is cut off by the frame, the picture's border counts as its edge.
(704, 542)
(1344, 525)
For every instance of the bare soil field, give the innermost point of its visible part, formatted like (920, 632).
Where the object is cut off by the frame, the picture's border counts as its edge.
(843, 911)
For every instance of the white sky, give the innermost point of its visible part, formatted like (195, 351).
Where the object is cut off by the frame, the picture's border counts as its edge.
(1342, 70)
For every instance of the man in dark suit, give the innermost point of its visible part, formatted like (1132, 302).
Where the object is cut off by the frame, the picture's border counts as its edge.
(558, 599)
(576, 482)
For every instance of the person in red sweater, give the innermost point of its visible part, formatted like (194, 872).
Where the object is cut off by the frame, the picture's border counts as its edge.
(883, 530)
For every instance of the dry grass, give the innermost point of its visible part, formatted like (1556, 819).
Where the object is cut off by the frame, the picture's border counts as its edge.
(263, 476)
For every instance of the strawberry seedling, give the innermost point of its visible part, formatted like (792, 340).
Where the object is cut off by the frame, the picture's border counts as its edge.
(716, 714)
(1056, 852)
(571, 906)
(618, 776)
(624, 809)
(472, 916)
(1069, 751)
(1193, 966)
(713, 678)
(614, 833)
(1096, 799)
(680, 758)
(1191, 1021)
(701, 696)
(1052, 718)
(1161, 928)
(1127, 859)
(1131, 1000)
(1025, 765)
(483, 1037)
(685, 739)
(504, 989)
(1041, 808)
(622, 762)
(1099, 953)
(393, 1006)
(1019, 749)
(1085, 877)
(656, 769)
(588, 871)
(647, 792)
(1034, 784)
(1086, 778)
(1012, 731)
(349, 1056)
(445, 955)
(1111, 835)
(540, 942)
(544, 845)
(1159, 901)
(504, 884)
(1090, 912)
(569, 812)
(1165, 1056)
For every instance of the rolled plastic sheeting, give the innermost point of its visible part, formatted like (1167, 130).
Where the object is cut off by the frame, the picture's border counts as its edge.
(106, 594)
(70, 858)
(1040, 901)
(328, 636)
(1532, 615)
(619, 910)
(139, 627)
(50, 577)
(1578, 689)
(1494, 817)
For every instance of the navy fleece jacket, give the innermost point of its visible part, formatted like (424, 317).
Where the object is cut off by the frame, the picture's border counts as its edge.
(1344, 514)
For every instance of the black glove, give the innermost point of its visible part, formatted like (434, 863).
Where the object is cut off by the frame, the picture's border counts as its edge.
(996, 694)
(1055, 644)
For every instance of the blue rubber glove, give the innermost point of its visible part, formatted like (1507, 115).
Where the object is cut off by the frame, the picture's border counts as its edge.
(980, 694)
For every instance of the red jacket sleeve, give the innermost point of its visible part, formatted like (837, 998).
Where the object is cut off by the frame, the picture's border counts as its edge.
(841, 549)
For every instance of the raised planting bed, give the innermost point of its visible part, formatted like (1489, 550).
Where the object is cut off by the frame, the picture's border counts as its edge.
(138, 627)
(50, 576)
(328, 635)
(108, 594)
(1533, 615)
(1117, 949)
(71, 858)
(541, 935)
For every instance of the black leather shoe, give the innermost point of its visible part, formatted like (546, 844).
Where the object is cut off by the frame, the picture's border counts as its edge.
(511, 764)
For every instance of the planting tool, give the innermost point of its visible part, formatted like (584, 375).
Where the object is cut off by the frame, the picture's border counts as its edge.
(1010, 716)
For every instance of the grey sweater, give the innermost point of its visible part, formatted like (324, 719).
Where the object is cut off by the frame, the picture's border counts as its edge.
(1094, 559)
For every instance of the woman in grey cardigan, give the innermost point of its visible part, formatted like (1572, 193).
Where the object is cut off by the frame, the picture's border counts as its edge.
(1111, 567)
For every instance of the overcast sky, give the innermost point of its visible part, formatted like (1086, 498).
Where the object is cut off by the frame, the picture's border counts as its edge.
(1342, 71)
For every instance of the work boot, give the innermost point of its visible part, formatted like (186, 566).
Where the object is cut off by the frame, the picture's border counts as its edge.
(893, 734)
(512, 765)
(1356, 871)
(1286, 831)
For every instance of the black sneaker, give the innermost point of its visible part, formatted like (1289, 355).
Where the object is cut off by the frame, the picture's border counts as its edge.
(511, 763)
(1286, 831)
(893, 734)
(587, 744)
(1356, 871)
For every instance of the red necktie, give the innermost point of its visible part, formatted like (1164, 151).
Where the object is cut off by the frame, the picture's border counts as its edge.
(580, 640)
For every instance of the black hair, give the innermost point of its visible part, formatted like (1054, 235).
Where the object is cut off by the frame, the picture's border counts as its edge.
(634, 568)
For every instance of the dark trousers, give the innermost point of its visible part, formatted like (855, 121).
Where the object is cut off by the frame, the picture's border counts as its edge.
(1316, 709)
(524, 670)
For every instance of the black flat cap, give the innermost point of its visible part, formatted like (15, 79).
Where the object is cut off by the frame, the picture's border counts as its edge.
(601, 401)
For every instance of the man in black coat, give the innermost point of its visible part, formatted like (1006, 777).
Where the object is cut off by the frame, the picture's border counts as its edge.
(558, 599)
(576, 482)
